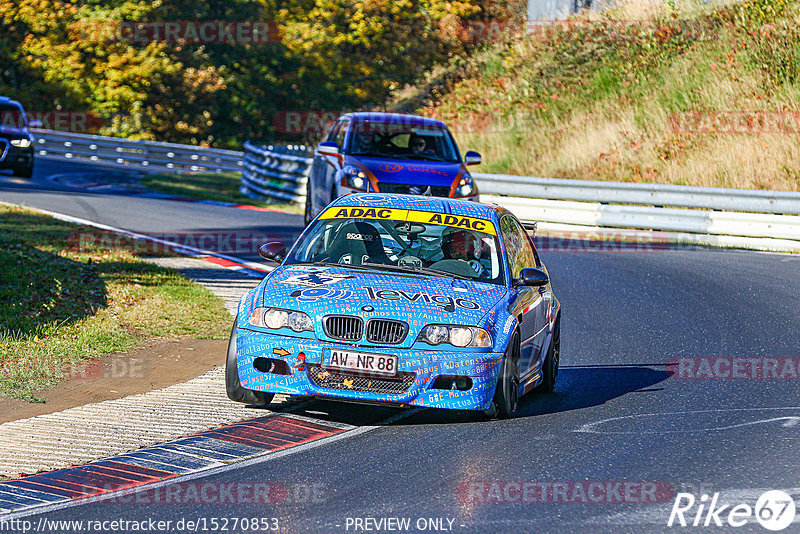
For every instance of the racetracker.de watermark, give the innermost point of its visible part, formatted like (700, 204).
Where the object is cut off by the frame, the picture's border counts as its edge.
(564, 492)
(60, 120)
(169, 243)
(498, 30)
(94, 369)
(315, 123)
(735, 122)
(734, 368)
(623, 241)
(219, 493)
(246, 32)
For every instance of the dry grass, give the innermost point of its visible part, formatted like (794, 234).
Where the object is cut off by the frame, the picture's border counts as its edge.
(595, 102)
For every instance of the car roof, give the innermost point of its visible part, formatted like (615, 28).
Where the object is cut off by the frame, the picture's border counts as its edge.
(400, 118)
(423, 203)
(6, 100)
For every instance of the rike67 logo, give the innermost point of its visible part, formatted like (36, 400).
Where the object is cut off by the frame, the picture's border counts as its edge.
(774, 510)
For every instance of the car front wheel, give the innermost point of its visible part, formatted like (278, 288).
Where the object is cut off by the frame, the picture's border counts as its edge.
(233, 385)
(505, 394)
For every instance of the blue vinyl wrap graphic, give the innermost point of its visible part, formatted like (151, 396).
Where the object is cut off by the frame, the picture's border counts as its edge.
(417, 299)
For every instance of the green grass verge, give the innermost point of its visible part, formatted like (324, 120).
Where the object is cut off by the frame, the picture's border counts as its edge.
(223, 187)
(71, 293)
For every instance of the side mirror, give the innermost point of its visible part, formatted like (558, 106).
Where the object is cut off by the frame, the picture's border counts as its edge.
(532, 277)
(328, 148)
(472, 158)
(34, 124)
(274, 251)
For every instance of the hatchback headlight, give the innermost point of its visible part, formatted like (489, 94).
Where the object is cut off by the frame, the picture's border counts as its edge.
(459, 336)
(354, 178)
(276, 318)
(21, 143)
(466, 187)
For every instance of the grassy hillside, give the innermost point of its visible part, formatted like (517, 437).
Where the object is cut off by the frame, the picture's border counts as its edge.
(684, 92)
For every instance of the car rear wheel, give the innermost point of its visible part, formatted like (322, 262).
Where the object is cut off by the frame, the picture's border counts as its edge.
(551, 362)
(232, 384)
(505, 394)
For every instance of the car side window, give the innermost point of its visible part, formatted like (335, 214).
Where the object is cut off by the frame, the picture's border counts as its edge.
(342, 134)
(518, 246)
(334, 131)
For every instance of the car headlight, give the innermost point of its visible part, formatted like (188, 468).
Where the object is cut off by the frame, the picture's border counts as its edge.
(459, 336)
(354, 177)
(276, 318)
(466, 187)
(21, 143)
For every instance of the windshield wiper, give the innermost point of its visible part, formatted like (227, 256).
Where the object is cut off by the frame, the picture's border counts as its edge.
(371, 266)
(426, 157)
(373, 154)
(420, 270)
(363, 267)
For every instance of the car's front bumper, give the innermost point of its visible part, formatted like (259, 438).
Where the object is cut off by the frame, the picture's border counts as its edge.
(11, 156)
(417, 372)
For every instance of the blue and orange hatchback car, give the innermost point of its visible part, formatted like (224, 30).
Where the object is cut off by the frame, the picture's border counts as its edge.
(388, 153)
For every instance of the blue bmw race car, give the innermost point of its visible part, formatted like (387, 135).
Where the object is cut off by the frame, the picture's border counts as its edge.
(410, 300)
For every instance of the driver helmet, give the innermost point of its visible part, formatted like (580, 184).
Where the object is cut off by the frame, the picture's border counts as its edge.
(460, 244)
(418, 143)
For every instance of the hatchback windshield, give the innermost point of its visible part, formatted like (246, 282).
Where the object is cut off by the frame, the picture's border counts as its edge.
(399, 140)
(443, 245)
(11, 116)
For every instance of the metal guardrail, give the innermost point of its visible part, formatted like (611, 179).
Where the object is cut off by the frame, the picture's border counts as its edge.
(683, 196)
(140, 155)
(280, 173)
(276, 172)
(708, 222)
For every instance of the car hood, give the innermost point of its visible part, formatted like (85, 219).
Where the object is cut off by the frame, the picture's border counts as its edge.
(14, 132)
(413, 172)
(416, 299)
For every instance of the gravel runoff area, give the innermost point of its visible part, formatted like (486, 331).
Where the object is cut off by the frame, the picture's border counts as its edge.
(94, 431)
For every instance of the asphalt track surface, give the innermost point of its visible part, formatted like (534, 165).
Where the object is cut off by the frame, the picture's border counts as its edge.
(617, 414)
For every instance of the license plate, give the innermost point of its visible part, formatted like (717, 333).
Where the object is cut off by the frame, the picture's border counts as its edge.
(382, 364)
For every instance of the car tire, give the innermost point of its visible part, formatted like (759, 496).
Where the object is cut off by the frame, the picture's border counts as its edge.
(551, 362)
(232, 384)
(505, 400)
(24, 171)
(308, 216)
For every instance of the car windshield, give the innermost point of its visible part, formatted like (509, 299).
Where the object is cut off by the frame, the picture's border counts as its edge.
(442, 245)
(11, 116)
(400, 140)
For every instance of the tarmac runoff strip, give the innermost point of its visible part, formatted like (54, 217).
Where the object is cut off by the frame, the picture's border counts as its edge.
(193, 455)
(85, 181)
(249, 268)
